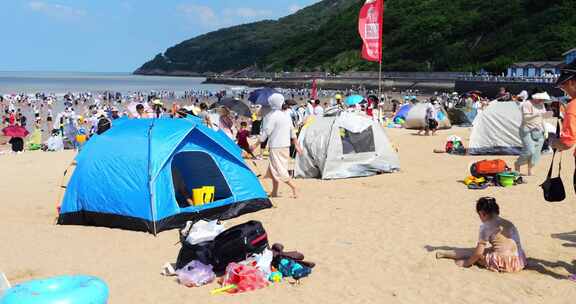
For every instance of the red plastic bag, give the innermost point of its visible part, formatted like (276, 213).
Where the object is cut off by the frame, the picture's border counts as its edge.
(246, 278)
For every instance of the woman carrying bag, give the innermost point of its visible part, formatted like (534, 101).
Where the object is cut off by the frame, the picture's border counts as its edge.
(567, 139)
(532, 130)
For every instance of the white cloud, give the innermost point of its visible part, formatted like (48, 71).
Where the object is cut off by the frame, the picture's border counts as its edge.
(294, 8)
(209, 18)
(201, 14)
(247, 13)
(56, 10)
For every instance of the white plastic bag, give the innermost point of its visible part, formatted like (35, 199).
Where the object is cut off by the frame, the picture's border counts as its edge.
(195, 274)
(203, 231)
(262, 262)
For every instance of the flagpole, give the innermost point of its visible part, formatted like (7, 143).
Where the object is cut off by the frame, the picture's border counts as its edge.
(381, 51)
(380, 80)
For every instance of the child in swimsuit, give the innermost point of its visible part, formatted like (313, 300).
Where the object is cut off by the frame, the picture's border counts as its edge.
(499, 248)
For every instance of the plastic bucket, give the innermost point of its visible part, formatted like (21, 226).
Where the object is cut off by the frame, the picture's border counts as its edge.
(506, 179)
(209, 192)
(198, 196)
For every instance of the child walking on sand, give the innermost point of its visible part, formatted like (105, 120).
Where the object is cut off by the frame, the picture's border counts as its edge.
(505, 253)
(242, 139)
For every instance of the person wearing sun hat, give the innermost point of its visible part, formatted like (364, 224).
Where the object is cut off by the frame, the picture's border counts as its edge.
(567, 83)
(532, 130)
(279, 131)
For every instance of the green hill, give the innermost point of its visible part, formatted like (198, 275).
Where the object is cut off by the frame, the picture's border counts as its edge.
(419, 35)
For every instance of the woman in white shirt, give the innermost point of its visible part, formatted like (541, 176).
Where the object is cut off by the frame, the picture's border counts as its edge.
(279, 131)
(532, 131)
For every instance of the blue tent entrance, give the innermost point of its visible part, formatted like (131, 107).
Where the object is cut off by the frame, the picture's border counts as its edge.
(135, 177)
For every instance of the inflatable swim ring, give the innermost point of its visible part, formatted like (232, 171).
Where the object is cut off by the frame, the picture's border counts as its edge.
(77, 289)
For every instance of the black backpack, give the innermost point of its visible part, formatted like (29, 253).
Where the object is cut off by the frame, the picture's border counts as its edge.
(104, 125)
(200, 252)
(238, 243)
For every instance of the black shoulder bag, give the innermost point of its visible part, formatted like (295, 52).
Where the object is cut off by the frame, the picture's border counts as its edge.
(554, 191)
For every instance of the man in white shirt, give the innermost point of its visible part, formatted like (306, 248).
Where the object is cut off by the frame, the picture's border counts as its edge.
(431, 121)
(279, 131)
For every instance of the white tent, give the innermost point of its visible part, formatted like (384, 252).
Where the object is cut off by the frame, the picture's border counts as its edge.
(496, 130)
(350, 145)
(416, 118)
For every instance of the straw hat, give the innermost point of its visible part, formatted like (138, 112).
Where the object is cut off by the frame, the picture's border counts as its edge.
(542, 96)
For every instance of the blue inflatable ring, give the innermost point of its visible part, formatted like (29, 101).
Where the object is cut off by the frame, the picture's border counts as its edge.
(78, 289)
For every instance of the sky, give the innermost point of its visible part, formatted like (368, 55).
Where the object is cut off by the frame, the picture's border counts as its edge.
(115, 35)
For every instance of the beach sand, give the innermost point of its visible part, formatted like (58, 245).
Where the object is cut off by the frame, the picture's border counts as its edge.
(372, 238)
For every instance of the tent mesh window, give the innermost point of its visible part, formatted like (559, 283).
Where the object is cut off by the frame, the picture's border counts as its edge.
(357, 142)
(191, 170)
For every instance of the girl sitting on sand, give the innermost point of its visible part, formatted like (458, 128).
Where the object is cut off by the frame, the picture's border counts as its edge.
(505, 253)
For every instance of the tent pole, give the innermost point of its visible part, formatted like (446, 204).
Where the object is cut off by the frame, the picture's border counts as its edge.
(150, 186)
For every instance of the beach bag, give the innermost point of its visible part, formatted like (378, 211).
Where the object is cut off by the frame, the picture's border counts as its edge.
(488, 167)
(553, 188)
(201, 252)
(238, 243)
(449, 146)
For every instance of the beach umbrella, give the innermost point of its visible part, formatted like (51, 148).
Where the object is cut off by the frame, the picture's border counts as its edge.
(15, 131)
(235, 105)
(260, 96)
(353, 100)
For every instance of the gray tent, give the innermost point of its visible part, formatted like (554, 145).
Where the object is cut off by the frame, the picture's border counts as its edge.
(459, 117)
(350, 145)
(496, 130)
(416, 118)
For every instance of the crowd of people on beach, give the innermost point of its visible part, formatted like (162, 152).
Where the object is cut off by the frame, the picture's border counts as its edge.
(74, 118)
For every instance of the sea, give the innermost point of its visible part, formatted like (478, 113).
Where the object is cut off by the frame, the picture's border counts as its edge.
(60, 83)
(63, 82)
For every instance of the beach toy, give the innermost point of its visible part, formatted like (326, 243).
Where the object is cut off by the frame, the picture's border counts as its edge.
(209, 192)
(77, 289)
(275, 277)
(506, 179)
(290, 268)
(204, 195)
(81, 138)
(222, 290)
(198, 196)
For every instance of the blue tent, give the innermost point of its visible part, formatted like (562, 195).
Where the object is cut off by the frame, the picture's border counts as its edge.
(132, 177)
(402, 113)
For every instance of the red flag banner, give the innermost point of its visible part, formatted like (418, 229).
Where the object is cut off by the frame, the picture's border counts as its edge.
(314, 94)
(370, 26)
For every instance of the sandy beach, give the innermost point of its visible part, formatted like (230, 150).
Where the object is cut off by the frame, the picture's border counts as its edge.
(372, 238)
